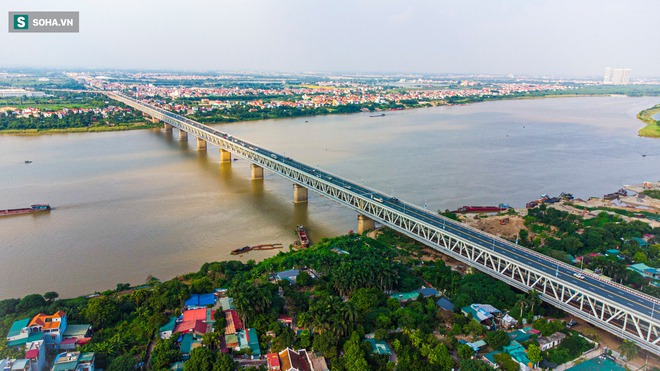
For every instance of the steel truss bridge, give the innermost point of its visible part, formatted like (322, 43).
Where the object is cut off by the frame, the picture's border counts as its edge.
(615, 308)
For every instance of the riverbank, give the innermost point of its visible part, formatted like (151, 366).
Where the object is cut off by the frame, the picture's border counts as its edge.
(652, 128)
(93, 129)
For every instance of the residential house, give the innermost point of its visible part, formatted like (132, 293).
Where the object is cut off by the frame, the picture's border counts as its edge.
(379, 347)
(483, 313)
(273, 361)
(167, 329)
(508, 322)
(52, 326)
(73, 361)
(19, 330)
(445, 304)
(289, 275)
(233, 323)
(551, 341)
(412, 295)
(189, 342)
(518, 354)
(475, 346)
(36, 353)
(20, 335)
(75, 335)
(197, 301)
(317, 363)
(248, 339)
(227, 303)
(294, 361)
(16, 365)
(647, 272)
(489, 358)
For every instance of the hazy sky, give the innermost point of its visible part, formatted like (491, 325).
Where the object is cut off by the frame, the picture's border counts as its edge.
(572, 37)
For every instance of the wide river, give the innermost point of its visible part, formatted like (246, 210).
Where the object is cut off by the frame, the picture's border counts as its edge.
(132, 204)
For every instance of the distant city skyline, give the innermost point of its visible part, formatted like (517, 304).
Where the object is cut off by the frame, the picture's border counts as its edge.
(561, 38)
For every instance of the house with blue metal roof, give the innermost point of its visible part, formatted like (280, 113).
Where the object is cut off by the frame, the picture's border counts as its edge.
(200, 301)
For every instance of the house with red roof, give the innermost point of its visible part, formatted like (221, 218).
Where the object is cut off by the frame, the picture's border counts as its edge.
(234, 323)
(273, 361)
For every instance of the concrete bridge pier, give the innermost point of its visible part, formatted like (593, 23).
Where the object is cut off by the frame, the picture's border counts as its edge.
(257, 172)
(166, 126)
(299, 194)
(225, 156)
(183, 135)
(201, 144)
(364, 224)
(155, 120)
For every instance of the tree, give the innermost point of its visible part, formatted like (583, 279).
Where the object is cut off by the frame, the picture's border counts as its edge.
(474, 365)
(224, 362)
(200, 359)
(534, 354)
(506, 362)
(354, 357)
(201, 285)
(102, 311)
(29, 302)
(325, 343)
(639, 257)
(533, 298)
(164, 354)
(628, 349)
(497, 339)
(465, 351)
(439, 356)
(211, 340)
(51, 295)
(122, 363)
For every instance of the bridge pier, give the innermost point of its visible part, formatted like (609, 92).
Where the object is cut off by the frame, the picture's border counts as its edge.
(166, 126)
(299, 194)
(364, 224)
(225, 156)
(155, 120)
(183, 135)
(257, 172)
(201, 144)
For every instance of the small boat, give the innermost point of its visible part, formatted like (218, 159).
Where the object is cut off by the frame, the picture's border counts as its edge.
(28, 161)
(242, 250)
(380, 115)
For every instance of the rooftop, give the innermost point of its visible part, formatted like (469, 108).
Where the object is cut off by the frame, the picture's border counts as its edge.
(46, 321)
(169, 326)
(17, 326)
(77, 331)
(200, 300)
(379, 347)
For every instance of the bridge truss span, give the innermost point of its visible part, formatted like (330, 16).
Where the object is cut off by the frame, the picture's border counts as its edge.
(617, 309)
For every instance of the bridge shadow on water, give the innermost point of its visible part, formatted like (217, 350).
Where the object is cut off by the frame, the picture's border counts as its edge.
(267, 201)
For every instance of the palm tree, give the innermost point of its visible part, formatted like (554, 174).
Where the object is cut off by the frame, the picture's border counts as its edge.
(628, 349)
(521, 303)
(533, 298)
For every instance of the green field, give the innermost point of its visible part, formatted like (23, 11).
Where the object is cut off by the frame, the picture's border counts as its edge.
(652, 128)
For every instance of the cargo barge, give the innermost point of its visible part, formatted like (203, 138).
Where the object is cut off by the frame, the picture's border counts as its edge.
(302, 236)
(268, 246)
(26, 210)
(482, 209)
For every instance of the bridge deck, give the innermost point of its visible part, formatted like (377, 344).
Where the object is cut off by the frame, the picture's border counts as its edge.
(618, 309)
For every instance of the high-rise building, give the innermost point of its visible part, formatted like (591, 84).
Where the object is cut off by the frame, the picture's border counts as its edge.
(608, 76)
(617, 76)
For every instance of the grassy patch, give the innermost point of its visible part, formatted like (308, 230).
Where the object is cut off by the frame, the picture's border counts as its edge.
(652, 193)
(652, 128)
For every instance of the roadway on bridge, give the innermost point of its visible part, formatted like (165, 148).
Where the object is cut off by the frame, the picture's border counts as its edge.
(547, 265)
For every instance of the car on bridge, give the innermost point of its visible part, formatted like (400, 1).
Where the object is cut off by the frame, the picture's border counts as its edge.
(578, 275)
